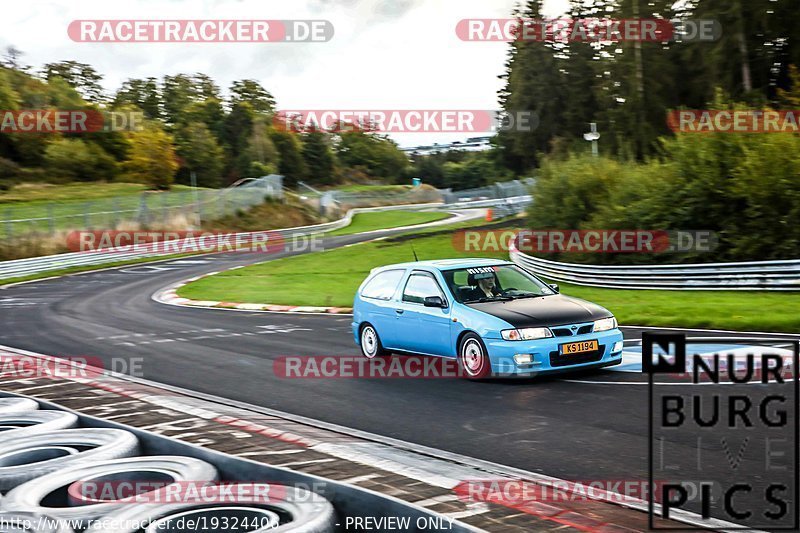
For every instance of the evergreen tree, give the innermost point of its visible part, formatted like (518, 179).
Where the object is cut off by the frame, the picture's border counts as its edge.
(318, 157)
(291, 166)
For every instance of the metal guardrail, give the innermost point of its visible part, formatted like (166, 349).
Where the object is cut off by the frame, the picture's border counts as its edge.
(752, 275)
(501, 207)
(496, 191)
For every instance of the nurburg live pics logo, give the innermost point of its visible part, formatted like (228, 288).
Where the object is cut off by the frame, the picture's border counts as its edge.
(723, 430)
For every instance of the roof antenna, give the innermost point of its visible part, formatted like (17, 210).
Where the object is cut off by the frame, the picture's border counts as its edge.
(414, 252)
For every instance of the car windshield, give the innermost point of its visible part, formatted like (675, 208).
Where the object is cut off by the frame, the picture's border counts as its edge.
(501, 282)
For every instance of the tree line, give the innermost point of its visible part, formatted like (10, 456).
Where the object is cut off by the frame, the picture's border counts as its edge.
(188, 127)
(743, 186)
(627, 87)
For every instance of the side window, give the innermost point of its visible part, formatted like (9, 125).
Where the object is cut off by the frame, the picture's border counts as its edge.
(383, 285)
(419, 287)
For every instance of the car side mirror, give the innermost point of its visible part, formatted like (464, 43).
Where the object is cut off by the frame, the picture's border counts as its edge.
(434, 301)
(554, 287)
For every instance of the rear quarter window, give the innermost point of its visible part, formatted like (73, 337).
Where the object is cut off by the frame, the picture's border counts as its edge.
(383, 285)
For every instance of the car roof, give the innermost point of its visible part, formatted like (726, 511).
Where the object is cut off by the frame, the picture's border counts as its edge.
(448, 264)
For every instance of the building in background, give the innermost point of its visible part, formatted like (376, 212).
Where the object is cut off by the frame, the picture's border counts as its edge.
(473, 144)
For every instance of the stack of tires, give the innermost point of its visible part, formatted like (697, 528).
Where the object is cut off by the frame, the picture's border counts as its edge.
(45, 459)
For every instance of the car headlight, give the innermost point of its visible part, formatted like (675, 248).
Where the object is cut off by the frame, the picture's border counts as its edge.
(604, 324)
(525, 334)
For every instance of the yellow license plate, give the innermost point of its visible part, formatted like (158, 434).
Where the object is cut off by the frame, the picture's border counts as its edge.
(578, 347)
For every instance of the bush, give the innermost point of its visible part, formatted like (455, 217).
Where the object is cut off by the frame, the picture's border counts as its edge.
(256, 169)
(151, 158)
(746, 188)
(75, 159)
(568, 192)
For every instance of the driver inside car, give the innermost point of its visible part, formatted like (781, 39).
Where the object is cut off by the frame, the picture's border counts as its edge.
(486, 287)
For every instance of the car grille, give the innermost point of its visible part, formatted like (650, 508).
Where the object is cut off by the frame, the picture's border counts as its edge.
(566, 331)
(557, 359)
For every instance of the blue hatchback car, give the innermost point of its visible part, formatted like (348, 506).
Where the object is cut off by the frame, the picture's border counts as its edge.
(495, 317)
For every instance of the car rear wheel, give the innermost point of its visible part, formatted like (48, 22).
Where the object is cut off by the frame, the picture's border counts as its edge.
(371, 345)
(473, 358)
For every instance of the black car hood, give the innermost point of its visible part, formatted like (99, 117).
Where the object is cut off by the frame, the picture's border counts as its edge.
(552, 310)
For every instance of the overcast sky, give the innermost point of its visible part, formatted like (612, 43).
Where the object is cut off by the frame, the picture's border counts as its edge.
(385, 54)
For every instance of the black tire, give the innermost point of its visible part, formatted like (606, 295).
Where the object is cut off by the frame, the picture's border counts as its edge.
(10, 406)
(370, 342)
(473, 357)
(24, 424)
(31, 495)
(42, 453)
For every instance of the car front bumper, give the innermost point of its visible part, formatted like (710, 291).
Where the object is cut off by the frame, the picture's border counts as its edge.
(546, 357)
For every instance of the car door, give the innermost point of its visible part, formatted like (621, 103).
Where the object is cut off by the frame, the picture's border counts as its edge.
(423, 329)
(379, 300)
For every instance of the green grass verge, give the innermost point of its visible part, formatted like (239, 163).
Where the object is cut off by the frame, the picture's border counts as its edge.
(325, 278)
(388, 219)
(331, 278)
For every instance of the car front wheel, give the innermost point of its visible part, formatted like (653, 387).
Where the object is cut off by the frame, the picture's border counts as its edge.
(371, 345)
(473, 357)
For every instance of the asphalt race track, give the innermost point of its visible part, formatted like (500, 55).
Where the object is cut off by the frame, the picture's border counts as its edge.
(584, 426)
